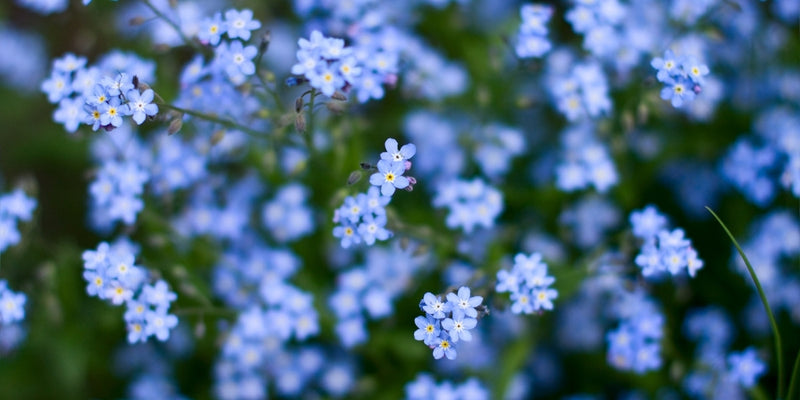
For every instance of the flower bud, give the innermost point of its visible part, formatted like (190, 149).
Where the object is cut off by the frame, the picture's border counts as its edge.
(354, 177)
(175, 126)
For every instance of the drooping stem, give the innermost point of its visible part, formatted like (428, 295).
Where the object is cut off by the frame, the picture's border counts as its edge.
(760, 290)
(213, 118)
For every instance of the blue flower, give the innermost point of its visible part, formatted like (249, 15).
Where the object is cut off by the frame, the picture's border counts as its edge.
(678, 90)
(372, 228)
(111, 112)
(389, 177)
(212, 29)
(444, 347)
(434, 306)
(159, 323)
(240, 23)
(463, 302)
(18, 205)
(159, 295)
(543, 299)
(141, 105)
(428, 330)
(458, 326)
(667, 67)
(117, 86)
(348, 234)
(392, 154)
(70, 113)
(12, 305)
(745, 367)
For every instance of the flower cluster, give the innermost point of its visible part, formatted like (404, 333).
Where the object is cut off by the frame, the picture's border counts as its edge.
(532, 36)
(635, 344)
(327, 63)
(447, 322)
(116, 192)
(237, 25)
(14, 207)
(111, 275)
(718, 373)
(232, 58)
(683, 76)
(363, 217)
(757, 164)
(471, 203)
(580, 92)
(424, 387)
(528, 284)
(598, 22)
(662, 250)
(287, 216)
(370, 290)
(254, 280)
(97, 96)
(586, 161)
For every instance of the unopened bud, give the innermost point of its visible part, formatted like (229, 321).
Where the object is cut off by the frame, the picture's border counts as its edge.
(265, 39)
(354, 177)
(200, 329)
(407, 164)
(175, 126)
(300, 123)
(336, 107)
(409, 188)
(135, 81)
(339, 96)
(189, 290)
(136, 21)
(217, 137)
(412, 180)
(627, 120)
(298, 104)
(642, 113)
(179, 272)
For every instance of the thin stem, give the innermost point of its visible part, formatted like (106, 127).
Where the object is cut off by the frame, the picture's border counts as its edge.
(775, 332)
(795, 374)
(213, 118)
(757, 392)
(174, 26)
(205, 310)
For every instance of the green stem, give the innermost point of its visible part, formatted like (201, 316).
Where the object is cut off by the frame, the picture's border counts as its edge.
(757, 392)
(205, 310)
(795, 374)
(174, 26)
(775, 332)
(309, 135)
(213, 118)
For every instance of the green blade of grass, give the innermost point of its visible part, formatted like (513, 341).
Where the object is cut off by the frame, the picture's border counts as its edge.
(778, 347)
(795, 372)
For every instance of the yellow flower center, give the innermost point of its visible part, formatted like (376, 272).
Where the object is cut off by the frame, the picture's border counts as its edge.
(389, 177)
